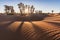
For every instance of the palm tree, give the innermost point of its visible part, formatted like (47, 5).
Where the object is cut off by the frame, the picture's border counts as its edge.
(40, 11)
(32, 9)
(21, 7)
(52, 11)
(11, 9)
(28, 8)
(7, 9)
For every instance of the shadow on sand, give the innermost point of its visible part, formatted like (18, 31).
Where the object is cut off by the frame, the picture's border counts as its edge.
(6, 34)
(17, 35)
(44, 35)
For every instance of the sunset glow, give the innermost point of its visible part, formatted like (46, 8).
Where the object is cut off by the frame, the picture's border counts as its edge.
(44, 5)
(26, 10)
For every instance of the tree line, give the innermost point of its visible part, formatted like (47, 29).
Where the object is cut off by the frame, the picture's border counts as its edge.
(23, 9)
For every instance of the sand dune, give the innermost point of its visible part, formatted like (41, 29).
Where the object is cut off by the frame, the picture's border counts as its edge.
(12, 29)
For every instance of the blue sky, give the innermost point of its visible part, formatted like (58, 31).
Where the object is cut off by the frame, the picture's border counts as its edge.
(44, 5)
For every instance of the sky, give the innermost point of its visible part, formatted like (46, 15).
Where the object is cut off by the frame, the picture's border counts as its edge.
(44, 5)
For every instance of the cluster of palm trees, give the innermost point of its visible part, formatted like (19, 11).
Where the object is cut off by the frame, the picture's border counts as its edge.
(23, 9)
(9, 9)
(26, 8)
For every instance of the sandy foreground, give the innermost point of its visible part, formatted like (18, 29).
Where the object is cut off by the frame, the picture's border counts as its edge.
(47, 29)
